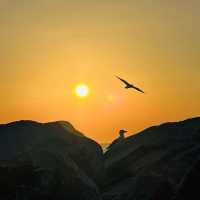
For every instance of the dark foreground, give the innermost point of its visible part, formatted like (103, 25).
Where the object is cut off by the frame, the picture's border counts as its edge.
(55, 161)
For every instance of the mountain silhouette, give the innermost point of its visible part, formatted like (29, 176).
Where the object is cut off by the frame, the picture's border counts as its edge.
(72, 162)
(151, 161)
(55, 161)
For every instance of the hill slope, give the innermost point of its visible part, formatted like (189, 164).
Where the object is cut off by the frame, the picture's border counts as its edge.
(56, 148)
(158, 156)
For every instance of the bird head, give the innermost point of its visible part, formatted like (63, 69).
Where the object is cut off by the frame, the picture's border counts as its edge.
(121, 133)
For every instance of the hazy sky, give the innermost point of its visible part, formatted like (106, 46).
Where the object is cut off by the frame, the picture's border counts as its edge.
(47, 47)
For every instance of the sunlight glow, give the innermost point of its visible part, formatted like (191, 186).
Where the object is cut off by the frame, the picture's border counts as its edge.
(82, 90)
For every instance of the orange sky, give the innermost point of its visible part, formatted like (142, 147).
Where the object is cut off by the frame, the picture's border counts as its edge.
(47, 47)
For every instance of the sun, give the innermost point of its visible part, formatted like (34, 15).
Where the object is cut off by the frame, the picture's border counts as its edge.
(82, 90)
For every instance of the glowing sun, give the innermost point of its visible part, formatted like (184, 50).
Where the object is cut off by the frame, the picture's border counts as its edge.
(82, 90)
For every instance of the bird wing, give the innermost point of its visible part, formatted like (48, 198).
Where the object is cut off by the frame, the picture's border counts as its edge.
(128, 84)
(124, 81)
(138, 89)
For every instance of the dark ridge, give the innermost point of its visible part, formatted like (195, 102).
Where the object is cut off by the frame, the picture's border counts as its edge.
(166, 128)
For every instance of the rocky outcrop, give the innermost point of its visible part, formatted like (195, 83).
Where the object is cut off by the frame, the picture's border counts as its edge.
(71, 164)
(189, 186)
(55, 161)
(143, 187)
(152, 163)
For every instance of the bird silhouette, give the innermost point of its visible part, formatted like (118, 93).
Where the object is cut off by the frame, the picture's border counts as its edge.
(121, 133)
(120, 138)
(128, 85)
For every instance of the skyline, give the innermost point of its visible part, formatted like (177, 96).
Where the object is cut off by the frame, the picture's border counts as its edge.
(49, 47)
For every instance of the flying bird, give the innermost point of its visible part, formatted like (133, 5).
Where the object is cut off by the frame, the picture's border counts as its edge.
(128, 85)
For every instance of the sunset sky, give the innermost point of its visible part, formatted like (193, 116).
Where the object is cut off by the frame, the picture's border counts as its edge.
(48, 47)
